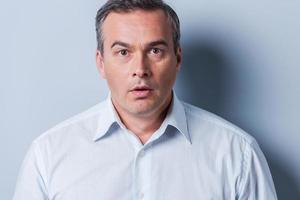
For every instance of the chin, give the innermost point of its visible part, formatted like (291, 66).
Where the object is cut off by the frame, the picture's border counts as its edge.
(143, 110)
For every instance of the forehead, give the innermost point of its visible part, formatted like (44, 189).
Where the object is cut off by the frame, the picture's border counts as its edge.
(137, 26)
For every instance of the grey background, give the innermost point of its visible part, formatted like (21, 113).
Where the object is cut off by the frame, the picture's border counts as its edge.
(241, 61)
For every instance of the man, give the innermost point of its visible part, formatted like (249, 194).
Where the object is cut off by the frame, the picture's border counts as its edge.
(142, 142)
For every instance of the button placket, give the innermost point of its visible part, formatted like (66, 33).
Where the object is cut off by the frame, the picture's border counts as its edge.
(142, 195)
(142, 153)
(142, 174)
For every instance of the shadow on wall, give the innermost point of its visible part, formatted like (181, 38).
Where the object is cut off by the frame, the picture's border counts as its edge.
(205, 71)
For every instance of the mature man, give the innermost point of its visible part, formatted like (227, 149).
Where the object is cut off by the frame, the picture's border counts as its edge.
(142, 142)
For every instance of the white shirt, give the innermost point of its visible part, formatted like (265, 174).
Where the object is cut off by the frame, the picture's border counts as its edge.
(193, 155)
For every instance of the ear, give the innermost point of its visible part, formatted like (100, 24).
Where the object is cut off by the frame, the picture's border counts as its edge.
(100, 63)
(178, 58)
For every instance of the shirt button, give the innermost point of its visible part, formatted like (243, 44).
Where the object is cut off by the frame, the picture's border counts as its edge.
(142, 196)
(142, 153)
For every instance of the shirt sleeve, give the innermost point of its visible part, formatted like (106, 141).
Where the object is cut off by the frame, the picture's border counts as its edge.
(31, 181)
(257, 183)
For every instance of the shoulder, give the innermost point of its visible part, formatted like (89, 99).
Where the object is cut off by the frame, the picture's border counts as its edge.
(217, 138)
(204, 125)
(81, 125)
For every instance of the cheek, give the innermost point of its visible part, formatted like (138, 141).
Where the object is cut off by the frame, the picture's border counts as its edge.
(116, 79)
(167, 73)
(115, 69)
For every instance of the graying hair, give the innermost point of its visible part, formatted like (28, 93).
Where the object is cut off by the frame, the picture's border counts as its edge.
(131, 5)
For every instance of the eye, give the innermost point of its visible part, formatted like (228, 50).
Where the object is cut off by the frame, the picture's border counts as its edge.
(123, 52)
(155, 50)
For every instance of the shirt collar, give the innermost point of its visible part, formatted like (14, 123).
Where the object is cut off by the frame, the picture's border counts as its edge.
(106, 120)
(176, 117)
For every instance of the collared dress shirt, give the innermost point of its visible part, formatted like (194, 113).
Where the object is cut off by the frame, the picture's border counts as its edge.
(194, 155)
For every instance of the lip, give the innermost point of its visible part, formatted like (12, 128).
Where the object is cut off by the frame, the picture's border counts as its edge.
(141, 91)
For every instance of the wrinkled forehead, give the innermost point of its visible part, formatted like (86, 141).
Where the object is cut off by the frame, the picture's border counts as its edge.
(137, 26)
(136, 11)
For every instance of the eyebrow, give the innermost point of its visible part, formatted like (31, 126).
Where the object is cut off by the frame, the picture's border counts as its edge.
(150, 44)
(158, 42)
(119, 43)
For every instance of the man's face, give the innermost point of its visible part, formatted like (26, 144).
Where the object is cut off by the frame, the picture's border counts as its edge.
(139, 61)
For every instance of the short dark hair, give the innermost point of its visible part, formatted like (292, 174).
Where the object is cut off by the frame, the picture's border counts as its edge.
(131, 5)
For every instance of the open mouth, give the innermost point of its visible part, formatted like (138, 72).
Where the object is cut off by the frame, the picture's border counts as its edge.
(141, 92)
(142, 89)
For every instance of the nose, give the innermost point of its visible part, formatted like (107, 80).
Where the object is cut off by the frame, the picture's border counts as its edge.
(141, 67)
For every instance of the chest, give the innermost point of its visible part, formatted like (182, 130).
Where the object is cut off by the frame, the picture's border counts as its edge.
(126, 174)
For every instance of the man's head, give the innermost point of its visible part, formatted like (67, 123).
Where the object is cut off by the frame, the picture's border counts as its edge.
(136, 54)
(122, 6)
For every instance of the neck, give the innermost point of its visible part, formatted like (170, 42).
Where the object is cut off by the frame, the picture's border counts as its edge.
(143, 126)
